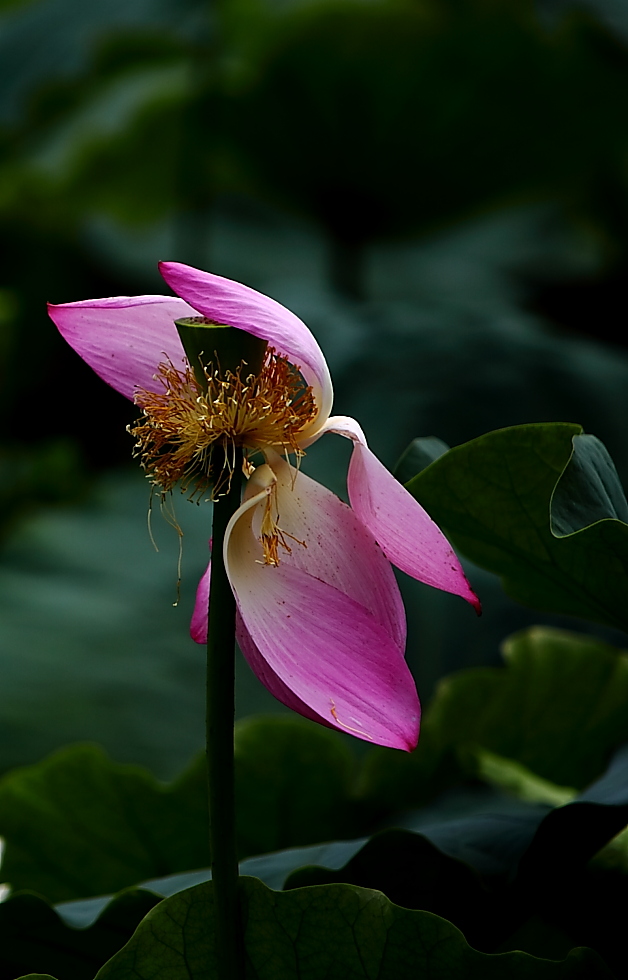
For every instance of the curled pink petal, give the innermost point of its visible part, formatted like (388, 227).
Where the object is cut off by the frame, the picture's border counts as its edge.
(226, 301)
(198, 632)
(324, 646)
(269, 678)
(328, 541)
(408, 536)
(124, 338)
(198, 625)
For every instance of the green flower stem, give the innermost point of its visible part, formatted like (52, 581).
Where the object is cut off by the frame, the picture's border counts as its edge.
(220, 720)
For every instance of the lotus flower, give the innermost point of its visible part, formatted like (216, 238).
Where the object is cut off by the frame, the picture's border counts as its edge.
(319, 614)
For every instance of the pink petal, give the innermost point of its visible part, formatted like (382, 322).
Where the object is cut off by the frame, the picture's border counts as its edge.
(198, 632)
(226, 301)
(269, 678)
(124, 338)
(324, 646)
(408, 536)
(198, 624)
(337, 548)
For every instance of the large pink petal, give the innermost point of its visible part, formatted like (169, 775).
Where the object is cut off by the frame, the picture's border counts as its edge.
(325, 647)
(270, 680)
(124, 338)
(408, 536)
(327, 541)
(198, 632)
(336, 548)
(226, 301)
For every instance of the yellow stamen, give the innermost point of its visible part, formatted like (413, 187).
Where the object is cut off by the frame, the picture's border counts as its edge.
(358, 731)
(272, 536)
(183, 424)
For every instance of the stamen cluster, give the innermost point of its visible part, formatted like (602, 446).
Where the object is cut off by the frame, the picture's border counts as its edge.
(188, 434)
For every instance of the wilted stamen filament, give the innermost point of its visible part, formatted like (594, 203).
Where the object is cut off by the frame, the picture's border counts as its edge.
(184, 425)
(271, 536)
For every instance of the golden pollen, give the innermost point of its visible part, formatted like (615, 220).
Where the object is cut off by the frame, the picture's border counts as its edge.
(271, 536)
(183, 425)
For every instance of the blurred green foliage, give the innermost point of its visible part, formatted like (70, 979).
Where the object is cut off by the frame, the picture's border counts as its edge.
(504, 854)
(421, 181)
(408, 177)
(372, 121)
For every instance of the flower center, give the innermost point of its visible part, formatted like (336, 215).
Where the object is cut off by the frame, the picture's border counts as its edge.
(184, 425)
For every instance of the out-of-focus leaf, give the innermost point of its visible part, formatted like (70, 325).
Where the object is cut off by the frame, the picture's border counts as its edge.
(334, 932)
(559, 708)
(492, 836)
(569, 836)
(414, 873)
(533, 863)
(110, 826)
(89, 632)
(78, 824)
(293, 785)
(9, 4)
(419, 454)
(351, 111)
(272, 869)
(66, 37)
(114, 108)
(588, 489)
(537, 849)
(40, 474)
(514, 778)
(493, 496)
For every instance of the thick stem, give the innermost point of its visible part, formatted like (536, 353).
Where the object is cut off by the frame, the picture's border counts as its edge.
(220, 719)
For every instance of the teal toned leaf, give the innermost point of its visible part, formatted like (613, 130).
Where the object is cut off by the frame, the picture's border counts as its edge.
(588, 490)
(293, 782)
(419, 454)
(433, 869)
(493, 495)
(110, 826)
(414, 873)
(517, 779)
(78, 824)
(559, 708)
(333, 932)
(272, 869)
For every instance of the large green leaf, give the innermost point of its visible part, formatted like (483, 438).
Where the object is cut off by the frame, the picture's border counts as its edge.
(77, 824)
(74, 939)
(332, 932)
(493, 497)
(487, 832)
(559, 707)
(531, 859)
(293, 785)
(589, 489)
(414, 873)
(109, 826)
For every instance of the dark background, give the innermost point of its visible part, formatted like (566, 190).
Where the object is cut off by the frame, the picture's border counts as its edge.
(439, 188)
